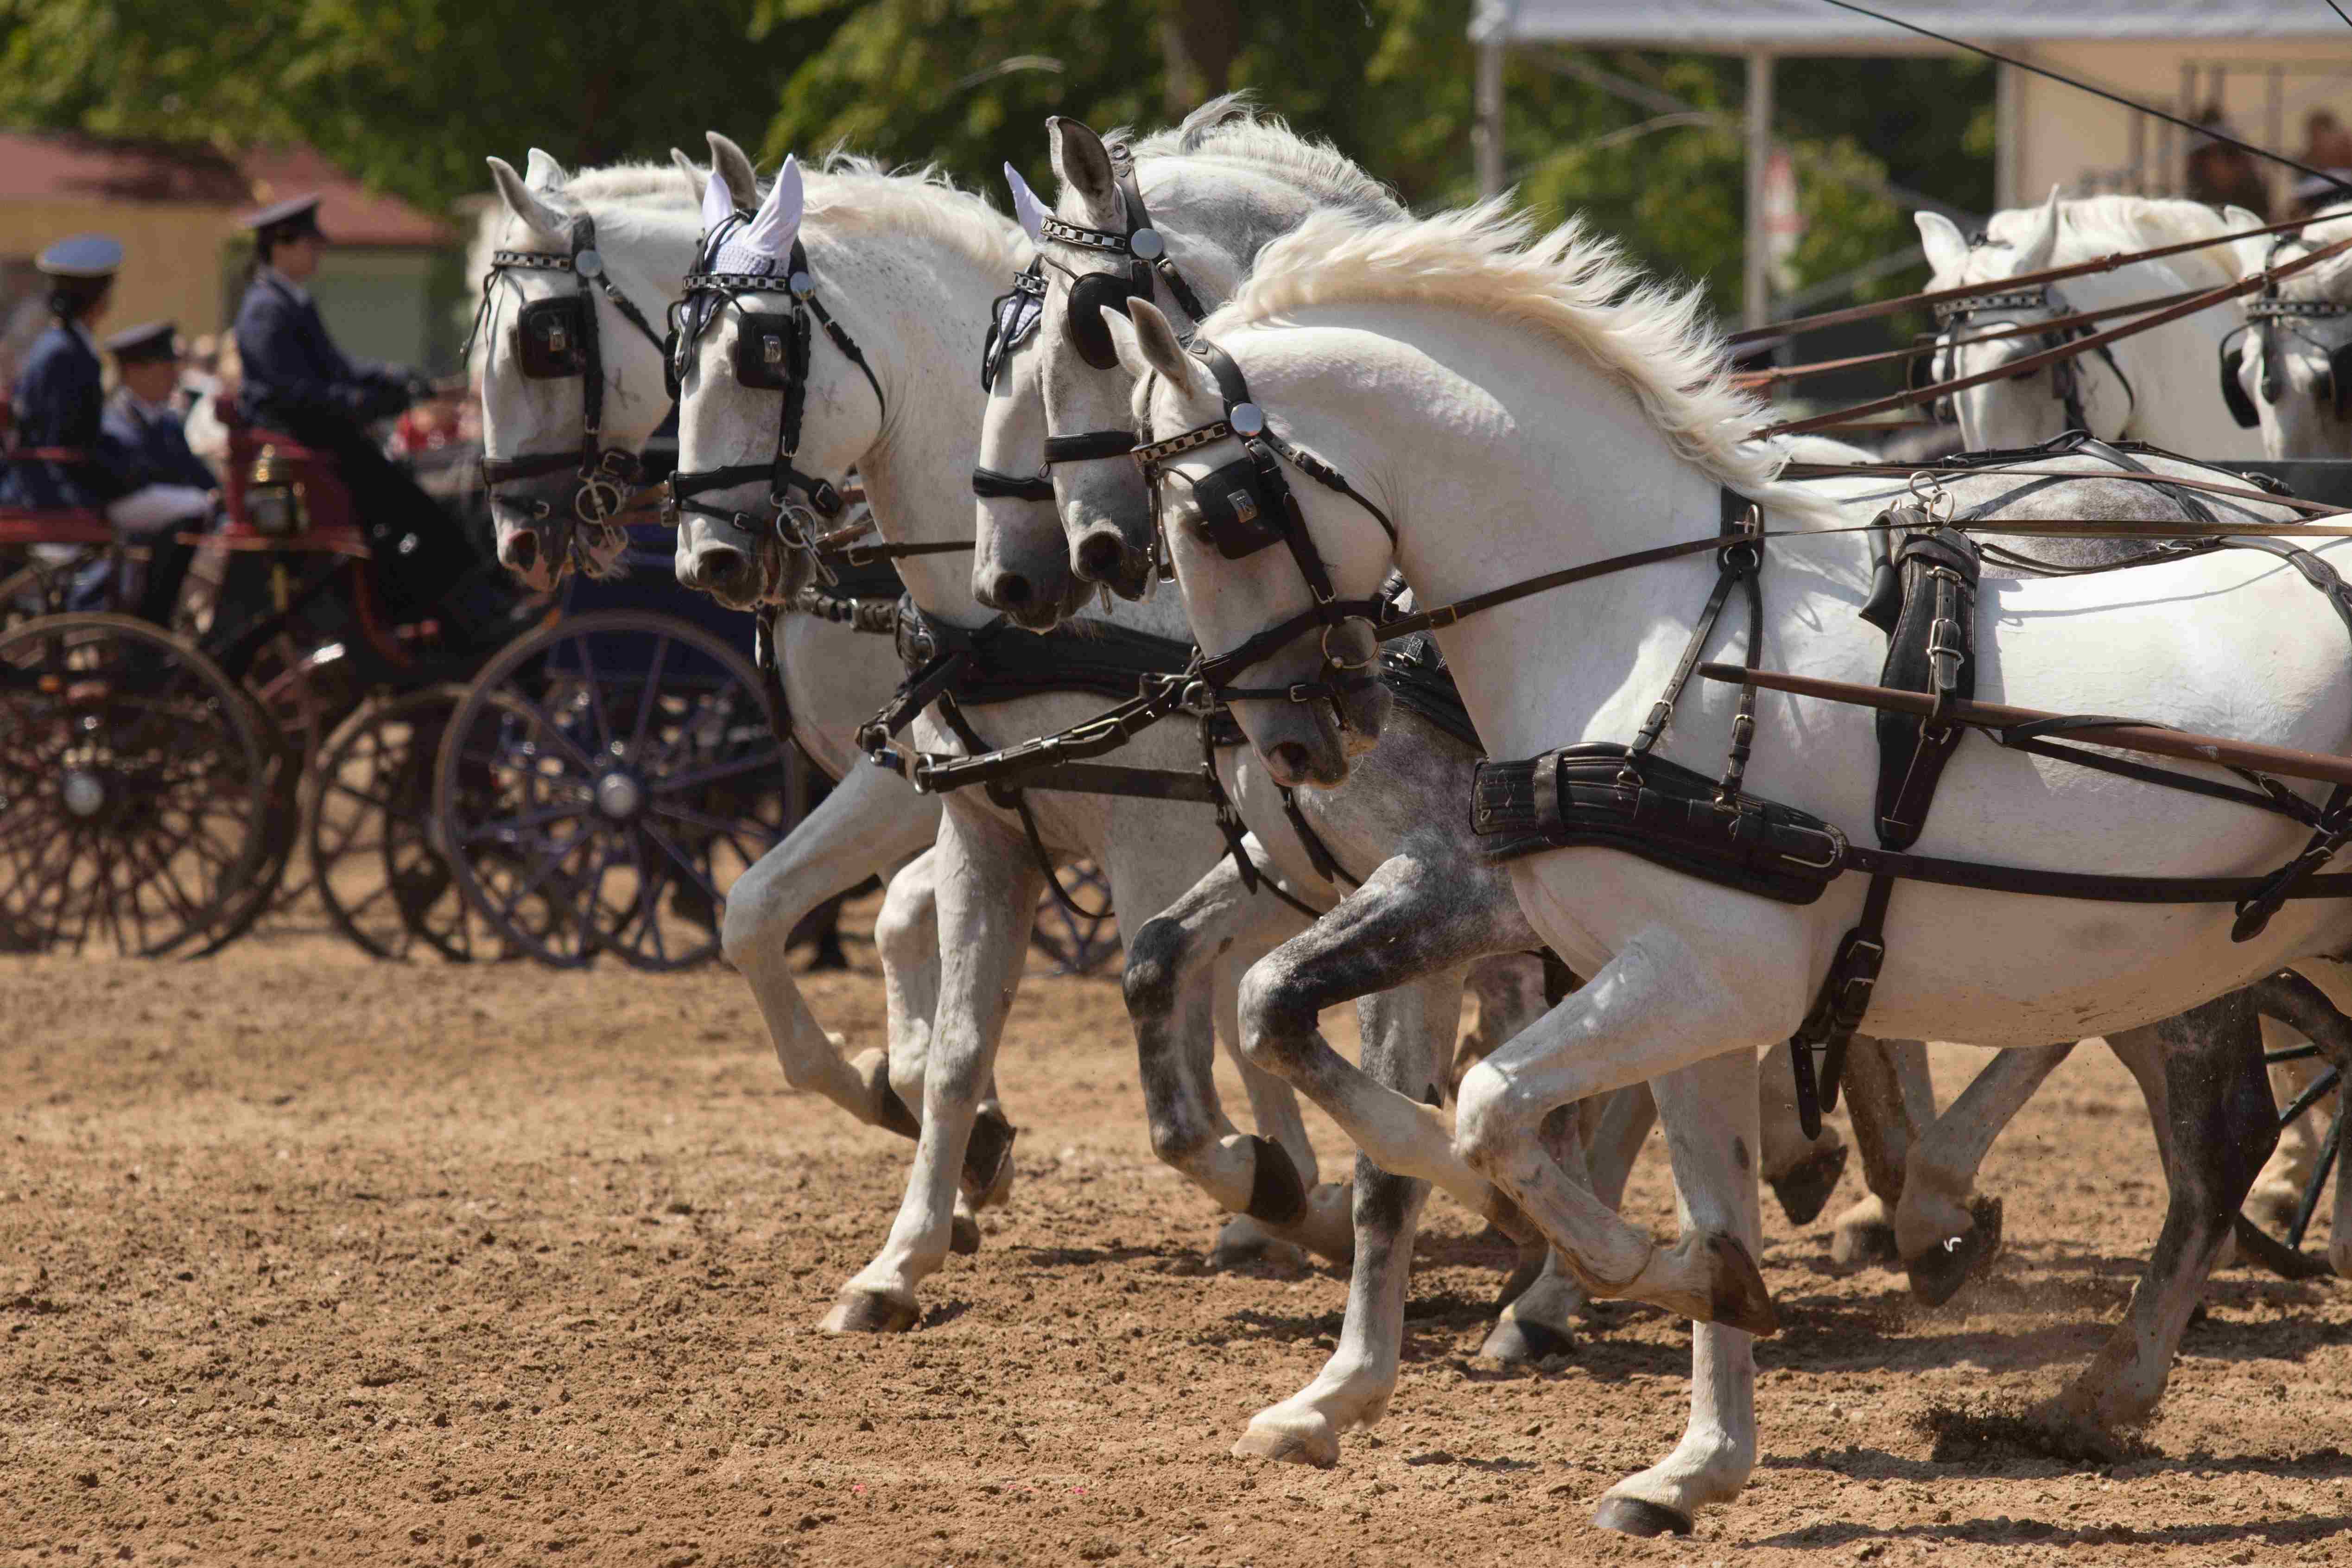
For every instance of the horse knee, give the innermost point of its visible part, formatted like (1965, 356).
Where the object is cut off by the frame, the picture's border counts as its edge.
(1492, 1116)
(748, 920)
(1155, 966)
(1276, 1012)
(904, 934)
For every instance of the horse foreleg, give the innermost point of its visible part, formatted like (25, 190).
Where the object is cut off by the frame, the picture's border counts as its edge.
(2214, 1117)
(1405, 1031)
(868, 824)
(1711, 1115)
(987, 899)
(1942, 1236)
(1274, 1109)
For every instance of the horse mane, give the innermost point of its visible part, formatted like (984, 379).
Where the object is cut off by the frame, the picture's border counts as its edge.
(1232, 129)
(2102, 223)
(849, 191)
(2324, 281)
(1659, 343)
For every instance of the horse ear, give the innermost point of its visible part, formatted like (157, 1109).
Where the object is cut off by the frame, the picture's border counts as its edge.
(1146, 343)
(2042, 240)
(542, 172)
(717, 202)
(694, 174)
(733, 164)
(1084, 164)
(1948, 252)
(778, 222)
(528, 205)
(1025, 206)
(2251, 252)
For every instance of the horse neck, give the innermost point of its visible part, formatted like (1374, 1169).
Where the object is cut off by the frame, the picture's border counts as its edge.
(2173, 369)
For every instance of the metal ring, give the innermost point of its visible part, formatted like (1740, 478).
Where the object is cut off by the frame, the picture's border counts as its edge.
(1332, 662)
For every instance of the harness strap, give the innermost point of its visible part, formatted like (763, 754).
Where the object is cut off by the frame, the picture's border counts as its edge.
(1092, 444)
(989, 484)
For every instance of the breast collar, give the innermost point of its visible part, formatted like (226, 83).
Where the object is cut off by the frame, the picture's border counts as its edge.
(2066, 385)
(605, 476)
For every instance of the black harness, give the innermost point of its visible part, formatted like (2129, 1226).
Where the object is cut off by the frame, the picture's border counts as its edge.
(2065, 382)
(2271, 320)
(558, 338)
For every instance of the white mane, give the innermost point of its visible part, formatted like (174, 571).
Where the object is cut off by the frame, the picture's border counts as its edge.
(2092, 225)
(847, 192)
(1230, 130)
(1658, 342)
(2326, 280)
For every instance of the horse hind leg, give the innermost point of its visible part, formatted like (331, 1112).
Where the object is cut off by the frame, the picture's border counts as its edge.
(1803, 1172)
(1890, 1099)
(1944, 1236)
(2201, 1075)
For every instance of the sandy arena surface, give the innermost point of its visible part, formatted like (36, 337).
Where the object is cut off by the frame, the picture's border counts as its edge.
(306, 1258)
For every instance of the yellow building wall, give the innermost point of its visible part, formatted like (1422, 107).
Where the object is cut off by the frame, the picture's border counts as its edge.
(173, 255)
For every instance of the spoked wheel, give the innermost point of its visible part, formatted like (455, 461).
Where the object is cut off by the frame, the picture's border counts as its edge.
(368, 821)
(135, 790)
(1083, 942)
(2315, 1042)
(605, 780)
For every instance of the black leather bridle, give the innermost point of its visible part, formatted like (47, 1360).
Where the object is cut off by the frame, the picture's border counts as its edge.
(2271, 317)
(605, 476)
(1090, 293)
(1246, 506)
(2065, 383)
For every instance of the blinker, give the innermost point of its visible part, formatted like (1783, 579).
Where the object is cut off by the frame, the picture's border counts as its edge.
(1236, 515)
(548, 339)
(767, 351)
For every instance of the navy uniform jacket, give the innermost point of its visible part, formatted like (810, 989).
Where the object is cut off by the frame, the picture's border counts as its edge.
(154, 446)
(60, 402)
(297, 380)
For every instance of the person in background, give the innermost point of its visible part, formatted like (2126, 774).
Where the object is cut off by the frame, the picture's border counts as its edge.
(297, 381)
(65, 456)
(2222, 176)
(145, 439)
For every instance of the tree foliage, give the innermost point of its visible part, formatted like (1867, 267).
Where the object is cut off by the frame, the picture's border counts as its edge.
(411, 94)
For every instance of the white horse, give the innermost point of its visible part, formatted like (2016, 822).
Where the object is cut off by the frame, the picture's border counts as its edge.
(1455, 375)
(906, 265)
(833, 678)
(2285, 369)
(2159, 386)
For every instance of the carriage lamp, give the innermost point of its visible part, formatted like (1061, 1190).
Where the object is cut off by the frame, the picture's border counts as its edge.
(274, 502)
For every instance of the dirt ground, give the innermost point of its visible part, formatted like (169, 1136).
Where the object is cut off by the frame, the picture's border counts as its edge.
(308, 1257)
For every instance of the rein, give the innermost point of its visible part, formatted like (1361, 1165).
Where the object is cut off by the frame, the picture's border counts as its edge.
(559, 339)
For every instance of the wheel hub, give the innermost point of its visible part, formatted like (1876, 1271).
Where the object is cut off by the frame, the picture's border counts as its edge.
(619, 796)
(83, 792)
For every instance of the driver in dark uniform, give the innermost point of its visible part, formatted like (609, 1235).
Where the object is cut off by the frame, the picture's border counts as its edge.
(296, 380)
(59, 407)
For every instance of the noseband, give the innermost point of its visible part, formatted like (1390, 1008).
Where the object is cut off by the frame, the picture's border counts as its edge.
(1246, 506)
(558, 338)
(1091, 293)
(2066, 385)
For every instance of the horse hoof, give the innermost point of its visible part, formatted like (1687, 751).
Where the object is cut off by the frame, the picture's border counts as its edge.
(869, 1312)
(1862, 1246)
(963, 1234)
(1937, 1274)
(988, 1153)
(1287, 1446)
(1522, 1275)
(1243, 1242)
(1739, 1297)
(1516, 1343)
(1804, 1191)
(1632, 1516)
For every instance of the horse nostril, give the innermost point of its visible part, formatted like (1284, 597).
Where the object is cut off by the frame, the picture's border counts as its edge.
(519, 552)
(1289, 761)
(1011, 591)
(1099, 557)
(717, 565)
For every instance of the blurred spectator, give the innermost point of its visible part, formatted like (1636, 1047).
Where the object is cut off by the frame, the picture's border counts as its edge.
(2325, 145)
(2222, 176)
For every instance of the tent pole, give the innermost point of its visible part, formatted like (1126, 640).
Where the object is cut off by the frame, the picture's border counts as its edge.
(1756, 295)
(1486, 132)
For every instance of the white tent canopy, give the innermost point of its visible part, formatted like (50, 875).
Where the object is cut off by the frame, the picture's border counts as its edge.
(2264, 61)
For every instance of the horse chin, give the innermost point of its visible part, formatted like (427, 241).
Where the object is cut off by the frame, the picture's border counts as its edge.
(1303, 748)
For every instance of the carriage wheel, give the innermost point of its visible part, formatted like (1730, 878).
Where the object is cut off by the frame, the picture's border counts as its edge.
(135, 789)
(2294, 1002)
(368, 820)
(1078, 944)
(602, 785)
